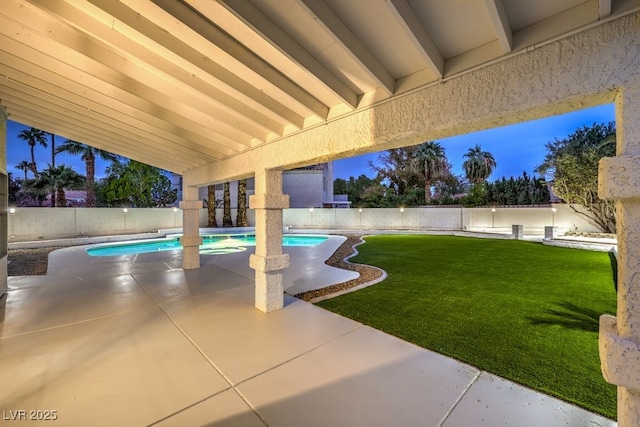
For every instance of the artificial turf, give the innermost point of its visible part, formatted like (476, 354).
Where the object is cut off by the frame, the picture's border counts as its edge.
(521, 310)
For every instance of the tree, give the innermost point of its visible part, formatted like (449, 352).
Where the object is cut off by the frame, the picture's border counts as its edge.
(53, 150)
(58, 179)
(340, 186)
(241, 217)
(212, 204)
(476, 196)
(163, 193)
(88, 155)
(431, 162)
(226, 213)
(137, 185)
(355, 189)
(33, 137)
(479, 165)
(398, 168)
(25, 167)
(449, 189)
(13, 189)
(573, 164)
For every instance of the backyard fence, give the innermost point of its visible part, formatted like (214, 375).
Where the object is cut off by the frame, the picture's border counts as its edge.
(28, 224)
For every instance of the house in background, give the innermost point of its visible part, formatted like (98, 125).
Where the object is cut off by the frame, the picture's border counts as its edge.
(307, 187)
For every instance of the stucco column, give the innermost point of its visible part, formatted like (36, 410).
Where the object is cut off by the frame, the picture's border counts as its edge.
(268, 260)
(619, 179)
(191, 239)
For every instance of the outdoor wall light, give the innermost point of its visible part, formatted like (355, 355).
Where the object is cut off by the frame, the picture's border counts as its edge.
(553, 210)
(493, 210)
(175, 209)
(125, 210)
(310, 209)
(12, 210)
(360, 210)
(401, 209)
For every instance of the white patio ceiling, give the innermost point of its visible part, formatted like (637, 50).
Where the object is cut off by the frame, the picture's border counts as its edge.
(184, 83)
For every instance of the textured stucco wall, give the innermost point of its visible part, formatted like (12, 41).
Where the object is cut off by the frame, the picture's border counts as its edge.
(580, 71)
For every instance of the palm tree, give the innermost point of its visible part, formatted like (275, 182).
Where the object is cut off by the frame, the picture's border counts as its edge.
(226, 216)
(241, 218)
(432, 164)
(479, 165)
(25, 167)
(88, 155)
(211, 206)
(59, 178)
(34, 137)
(53, 149)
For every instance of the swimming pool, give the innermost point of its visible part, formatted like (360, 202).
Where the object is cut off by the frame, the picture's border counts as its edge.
(212, 244)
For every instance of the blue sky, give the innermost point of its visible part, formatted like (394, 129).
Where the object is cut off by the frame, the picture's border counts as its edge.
(516, 148)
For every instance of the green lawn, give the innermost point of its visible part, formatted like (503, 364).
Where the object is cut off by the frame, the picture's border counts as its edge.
(521, 310)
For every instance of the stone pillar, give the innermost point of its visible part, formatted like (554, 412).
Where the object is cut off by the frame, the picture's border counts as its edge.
(268, 260)
(550, 232)
(191, 240)
(3, 169)
(517, 232)
(619, 179)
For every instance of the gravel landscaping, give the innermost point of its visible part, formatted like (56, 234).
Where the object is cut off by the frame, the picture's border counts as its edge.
(28, 262)
(367, 273)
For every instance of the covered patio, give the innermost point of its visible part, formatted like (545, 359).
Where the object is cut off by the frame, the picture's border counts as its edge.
(224, 90)
(159, 345)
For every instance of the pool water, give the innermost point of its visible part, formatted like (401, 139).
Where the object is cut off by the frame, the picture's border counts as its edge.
(211, 245)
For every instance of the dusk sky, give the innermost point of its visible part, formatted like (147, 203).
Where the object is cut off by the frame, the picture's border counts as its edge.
(516, 148)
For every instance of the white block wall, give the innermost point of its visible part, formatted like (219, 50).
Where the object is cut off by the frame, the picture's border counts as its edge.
(28, 224)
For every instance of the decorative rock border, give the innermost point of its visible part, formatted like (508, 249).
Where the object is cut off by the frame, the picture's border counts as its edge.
(369, 275)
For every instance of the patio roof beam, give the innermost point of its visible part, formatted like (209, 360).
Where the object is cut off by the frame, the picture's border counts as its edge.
(604, 9)
(253, 18)
(57, 121)
(501, 24)
(415, 31)
(90, 56)
(232, 110)
(345, 38)
(35, 78)
(228, 51)
(143, 31)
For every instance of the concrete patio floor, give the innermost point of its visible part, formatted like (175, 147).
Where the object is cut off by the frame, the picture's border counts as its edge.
(136, 340)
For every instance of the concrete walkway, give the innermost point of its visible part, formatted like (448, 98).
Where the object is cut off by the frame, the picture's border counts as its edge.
(138, 341)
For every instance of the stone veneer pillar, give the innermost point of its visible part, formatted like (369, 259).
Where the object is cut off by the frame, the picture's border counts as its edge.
(268, 260)
(619, 179)
(191, 239)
